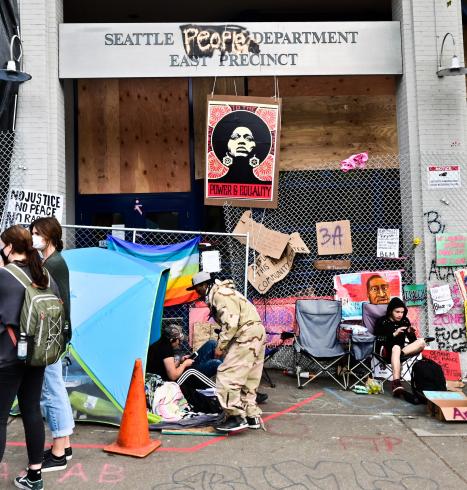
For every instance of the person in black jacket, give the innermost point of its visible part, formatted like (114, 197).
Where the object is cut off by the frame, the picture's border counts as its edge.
(395, 336)
(16, 377)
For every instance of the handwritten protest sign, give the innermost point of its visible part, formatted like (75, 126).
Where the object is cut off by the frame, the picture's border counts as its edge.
(451, 249)
(442, 299)
(415, 294)
(388, 243)
(334, 237)
(268, 271)
(25, 206)
(268, 242)
(449, 362)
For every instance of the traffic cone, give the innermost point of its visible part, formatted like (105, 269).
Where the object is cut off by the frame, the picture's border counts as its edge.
(133, 437)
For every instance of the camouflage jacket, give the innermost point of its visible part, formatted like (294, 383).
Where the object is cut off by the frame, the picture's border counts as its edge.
(231, 310)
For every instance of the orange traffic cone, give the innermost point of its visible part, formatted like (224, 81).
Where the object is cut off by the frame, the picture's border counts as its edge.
(133, 437)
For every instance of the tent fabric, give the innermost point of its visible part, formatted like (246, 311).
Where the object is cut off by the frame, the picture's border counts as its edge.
(182, 259)
(116, 313)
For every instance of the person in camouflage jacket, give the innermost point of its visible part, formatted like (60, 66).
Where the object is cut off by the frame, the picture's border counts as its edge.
(242, 340)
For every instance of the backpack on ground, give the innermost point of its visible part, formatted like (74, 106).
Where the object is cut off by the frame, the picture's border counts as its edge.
(42, 320)
(427, 375)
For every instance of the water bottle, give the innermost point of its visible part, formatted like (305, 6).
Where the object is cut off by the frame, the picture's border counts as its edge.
(22, 347)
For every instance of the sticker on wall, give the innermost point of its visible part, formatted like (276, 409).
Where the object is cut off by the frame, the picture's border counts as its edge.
(334, 237)
(415, 294)
(442, 299)
(451, 249)
(444, 176)
(388, 243)
(242, 157)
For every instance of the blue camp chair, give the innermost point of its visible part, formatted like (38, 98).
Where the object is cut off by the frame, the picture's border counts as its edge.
(318, 321)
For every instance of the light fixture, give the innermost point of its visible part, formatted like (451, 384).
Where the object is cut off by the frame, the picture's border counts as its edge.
(455, 68)
(11, 72)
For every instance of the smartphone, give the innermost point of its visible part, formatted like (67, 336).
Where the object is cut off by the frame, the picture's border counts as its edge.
(193, 356)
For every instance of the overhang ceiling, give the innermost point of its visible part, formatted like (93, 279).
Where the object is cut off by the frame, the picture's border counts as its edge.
(221, 11)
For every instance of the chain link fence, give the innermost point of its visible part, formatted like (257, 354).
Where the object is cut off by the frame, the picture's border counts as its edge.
(12, 168)
(231, 251)
(388, 194)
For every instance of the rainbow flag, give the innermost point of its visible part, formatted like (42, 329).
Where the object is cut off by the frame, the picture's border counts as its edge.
(182, 259)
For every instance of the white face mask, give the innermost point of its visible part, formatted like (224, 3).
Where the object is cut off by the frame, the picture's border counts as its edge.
(38, 242)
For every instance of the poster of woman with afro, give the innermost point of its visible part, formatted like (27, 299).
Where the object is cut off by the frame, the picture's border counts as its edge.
(242, 161)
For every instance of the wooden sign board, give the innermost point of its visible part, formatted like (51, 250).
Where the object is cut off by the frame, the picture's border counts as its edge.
(334, 237)
(331, 265)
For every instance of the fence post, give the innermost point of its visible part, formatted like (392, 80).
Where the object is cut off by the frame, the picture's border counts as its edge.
(247, 249)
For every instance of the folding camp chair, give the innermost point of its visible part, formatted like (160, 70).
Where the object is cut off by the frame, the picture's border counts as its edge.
(359, 347)
(317, 341)
(370, 315)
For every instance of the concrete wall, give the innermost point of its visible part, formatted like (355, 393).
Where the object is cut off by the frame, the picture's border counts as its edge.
(41, 122)
(431, 125)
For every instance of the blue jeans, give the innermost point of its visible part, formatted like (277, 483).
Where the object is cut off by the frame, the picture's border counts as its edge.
(55, 404)
(206, 362)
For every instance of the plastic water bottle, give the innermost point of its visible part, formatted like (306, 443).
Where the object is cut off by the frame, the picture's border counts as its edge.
(22, 347)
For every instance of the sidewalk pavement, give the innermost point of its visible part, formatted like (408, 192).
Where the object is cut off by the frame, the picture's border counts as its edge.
(317, 438)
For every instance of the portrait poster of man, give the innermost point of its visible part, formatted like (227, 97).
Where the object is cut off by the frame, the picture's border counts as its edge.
(357, 288)
(242, 157)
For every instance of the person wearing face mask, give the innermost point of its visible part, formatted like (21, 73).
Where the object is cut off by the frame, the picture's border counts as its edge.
(17, 379)
(55, 404)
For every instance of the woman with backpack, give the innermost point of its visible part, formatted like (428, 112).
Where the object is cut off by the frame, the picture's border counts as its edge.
(16, 377)
(55, 404)
(395, 337)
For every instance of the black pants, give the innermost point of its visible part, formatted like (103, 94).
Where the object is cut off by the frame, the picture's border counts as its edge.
(26, 383)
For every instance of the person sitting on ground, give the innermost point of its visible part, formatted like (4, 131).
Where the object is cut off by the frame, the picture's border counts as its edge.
(162, 361)
(191, 375)
(395, 336)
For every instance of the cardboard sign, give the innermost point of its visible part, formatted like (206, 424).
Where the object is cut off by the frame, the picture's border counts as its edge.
(451, 249)
(25, 206)
(334, 237)
(446, 406)
(415, 294)
(331, 265)
(449, 362)
(265, 241)
(388, 243)
(442, 299)
(444, 176)
(268, 271)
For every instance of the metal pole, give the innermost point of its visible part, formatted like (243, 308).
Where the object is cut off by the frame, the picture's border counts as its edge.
(247, 249)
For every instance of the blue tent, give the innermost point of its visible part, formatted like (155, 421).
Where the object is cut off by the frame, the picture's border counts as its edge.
(116, 312)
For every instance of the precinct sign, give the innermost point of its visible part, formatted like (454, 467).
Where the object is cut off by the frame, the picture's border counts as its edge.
(25, 206)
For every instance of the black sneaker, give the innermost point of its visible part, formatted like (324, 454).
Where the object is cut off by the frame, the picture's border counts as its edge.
(254, 422)
(232, 424)
(52, 463)
(26, 484)
(68, 453)
(261, 398)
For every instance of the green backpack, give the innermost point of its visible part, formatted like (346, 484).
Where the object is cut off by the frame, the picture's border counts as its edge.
(42, 320)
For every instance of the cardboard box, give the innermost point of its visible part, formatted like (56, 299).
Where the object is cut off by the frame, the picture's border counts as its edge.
(447, 406)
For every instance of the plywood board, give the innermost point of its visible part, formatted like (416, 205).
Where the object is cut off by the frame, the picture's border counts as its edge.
(133, 136)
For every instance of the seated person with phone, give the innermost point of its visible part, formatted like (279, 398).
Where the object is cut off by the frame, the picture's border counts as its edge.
(395, 336)
(161, 356)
